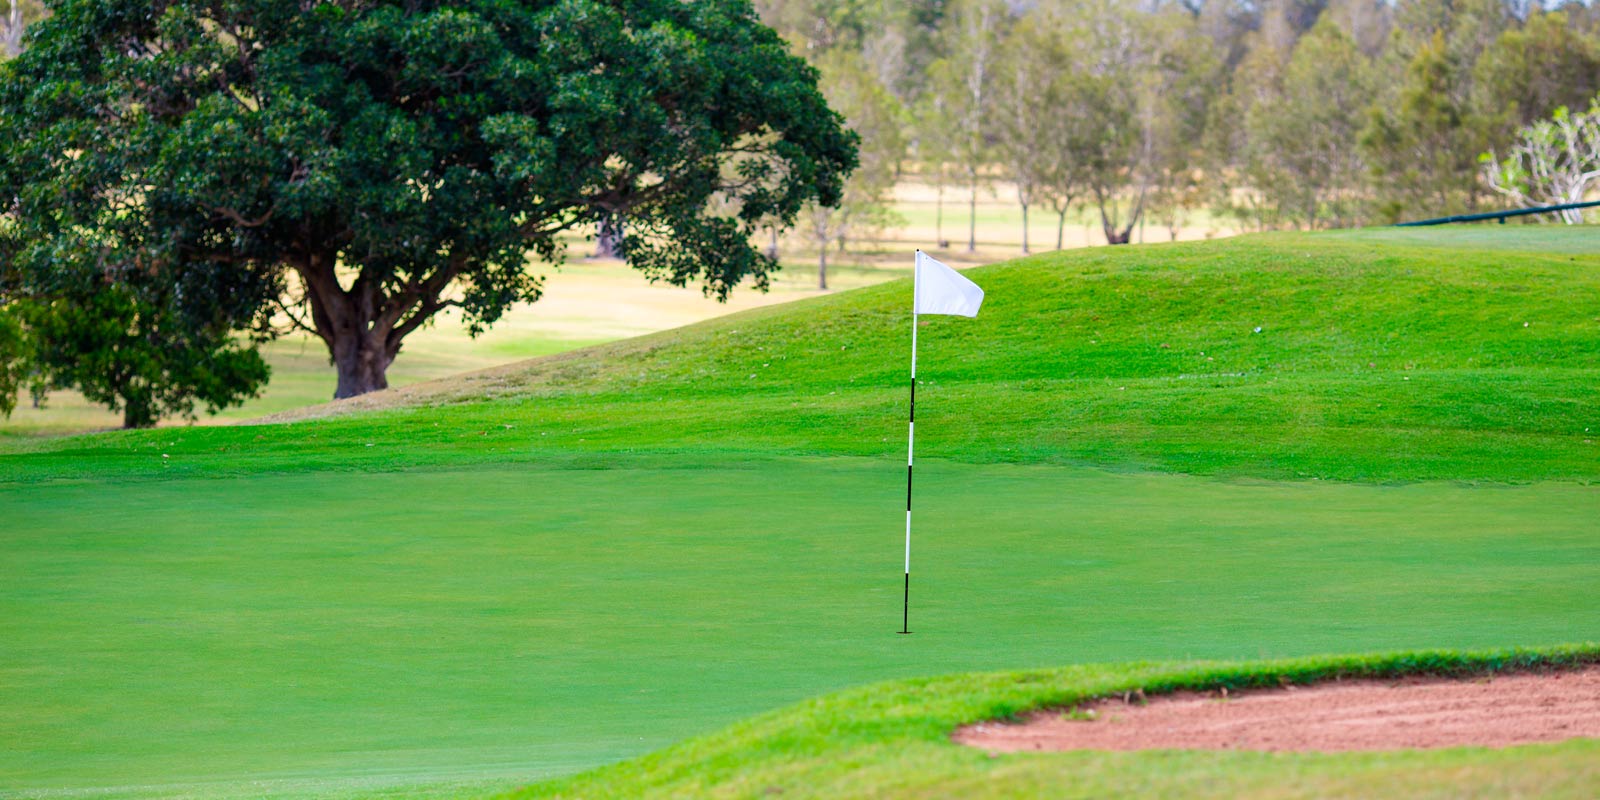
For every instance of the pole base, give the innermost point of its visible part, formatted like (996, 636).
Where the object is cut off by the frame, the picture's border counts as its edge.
(903, 633)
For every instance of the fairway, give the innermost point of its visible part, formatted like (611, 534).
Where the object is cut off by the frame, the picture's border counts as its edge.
(518, 623)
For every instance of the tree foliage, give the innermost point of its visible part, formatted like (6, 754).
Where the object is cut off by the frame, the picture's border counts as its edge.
(14, 361)
(128, 352)
(1553, 161)
(1422, 150)
(1284, 113)
(1300, 131)
(965, 77)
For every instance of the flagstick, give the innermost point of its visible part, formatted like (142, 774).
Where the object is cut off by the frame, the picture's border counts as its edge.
(911, 440)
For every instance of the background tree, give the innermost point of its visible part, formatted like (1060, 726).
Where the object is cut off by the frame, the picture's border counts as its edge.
(1060, 122)
(1418, 148)
(1553, 162)
(875, 115)
(1367, 23)
(15, 17)
(1302, 135)
(1116, 168)
(1182, 85)
(359, 168)
(1232, 155)
(14, 361)
(934, 136)
(1531, 71)
(965, 77)
(147, 361)
(1071, 136)
(1022, 118)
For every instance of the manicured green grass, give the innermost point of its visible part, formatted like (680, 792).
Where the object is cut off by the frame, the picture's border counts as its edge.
(891, 741)
(520, 622)
(584, 558)
(1374, 361)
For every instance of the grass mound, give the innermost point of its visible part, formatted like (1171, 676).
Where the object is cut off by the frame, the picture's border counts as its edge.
(1368, 355)
(891, 740)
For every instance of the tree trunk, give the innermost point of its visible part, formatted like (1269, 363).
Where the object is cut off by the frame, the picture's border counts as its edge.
(608, 240)
(360, 326)
(13, 31)
(362, 361)
(972, 217)
(822, 268)
(1114, 236)
(137, 413)
(1024, 228)
(1061, 227)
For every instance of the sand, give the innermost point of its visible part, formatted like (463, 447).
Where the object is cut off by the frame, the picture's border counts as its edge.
(1497, 711)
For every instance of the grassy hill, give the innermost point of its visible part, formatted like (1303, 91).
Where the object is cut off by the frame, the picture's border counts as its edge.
(515, 574)
(1380, 355)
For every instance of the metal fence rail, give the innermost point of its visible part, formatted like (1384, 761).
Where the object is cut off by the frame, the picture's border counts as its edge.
(1500, 215)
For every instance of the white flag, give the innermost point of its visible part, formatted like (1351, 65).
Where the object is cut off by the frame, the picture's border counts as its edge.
(942, 290)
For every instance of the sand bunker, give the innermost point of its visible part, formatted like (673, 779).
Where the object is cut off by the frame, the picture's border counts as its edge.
(1487, 711)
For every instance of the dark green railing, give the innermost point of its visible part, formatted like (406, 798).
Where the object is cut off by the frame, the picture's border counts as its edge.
(1500, 215)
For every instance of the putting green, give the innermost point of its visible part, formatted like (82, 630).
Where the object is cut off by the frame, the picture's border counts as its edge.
(339, 634)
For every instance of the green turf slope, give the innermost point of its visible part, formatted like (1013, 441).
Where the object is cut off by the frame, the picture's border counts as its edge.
(892, 741)
(584, 558)
(1379, 357)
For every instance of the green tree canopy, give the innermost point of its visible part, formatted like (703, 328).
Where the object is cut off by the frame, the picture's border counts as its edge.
(355, 167)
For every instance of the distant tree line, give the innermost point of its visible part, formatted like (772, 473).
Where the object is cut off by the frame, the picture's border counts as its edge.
(1277, 114)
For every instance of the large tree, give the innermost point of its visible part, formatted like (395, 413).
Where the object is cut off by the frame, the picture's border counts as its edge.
(1531, 71)
(354, 167)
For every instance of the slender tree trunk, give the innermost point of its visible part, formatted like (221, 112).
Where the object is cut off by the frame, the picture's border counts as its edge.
(822, 267)
(1025, 228)
(972, 216)
(13, 31)
(1061, 227)
(1108, 226)
(938, 214)
(608, 240)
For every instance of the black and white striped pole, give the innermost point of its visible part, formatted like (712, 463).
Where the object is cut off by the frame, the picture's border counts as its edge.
(936, 289)
(911, 445)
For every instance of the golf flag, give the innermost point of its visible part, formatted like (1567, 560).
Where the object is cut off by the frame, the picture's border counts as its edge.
(936, 289)
(942, 290)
